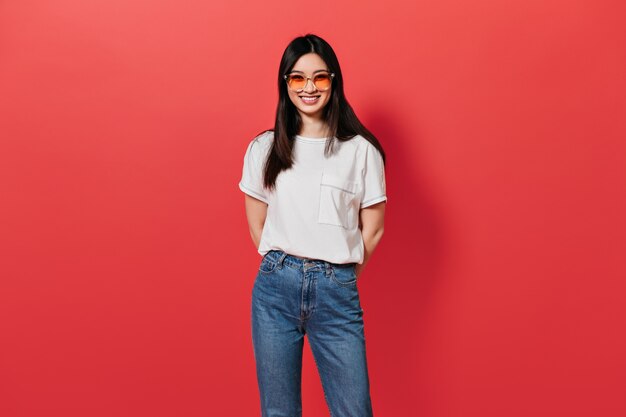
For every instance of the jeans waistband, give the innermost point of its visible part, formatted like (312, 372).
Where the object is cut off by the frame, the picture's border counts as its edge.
(282, 257)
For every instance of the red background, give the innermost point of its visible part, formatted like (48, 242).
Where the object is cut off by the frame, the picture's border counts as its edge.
(126, 264)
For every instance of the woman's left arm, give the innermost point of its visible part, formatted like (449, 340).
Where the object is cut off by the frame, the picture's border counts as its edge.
(371, 223)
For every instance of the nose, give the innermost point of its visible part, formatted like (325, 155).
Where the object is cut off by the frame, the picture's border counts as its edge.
(310, 86)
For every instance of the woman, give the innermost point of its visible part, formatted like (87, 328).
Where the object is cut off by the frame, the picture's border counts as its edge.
(315, 204)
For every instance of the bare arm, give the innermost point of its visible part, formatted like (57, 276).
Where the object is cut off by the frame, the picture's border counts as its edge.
(372, 225)
(256, 212)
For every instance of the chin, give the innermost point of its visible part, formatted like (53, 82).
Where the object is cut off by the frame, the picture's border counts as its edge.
(310, 112)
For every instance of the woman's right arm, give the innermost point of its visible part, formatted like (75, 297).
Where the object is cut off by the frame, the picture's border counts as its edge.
(256, 212)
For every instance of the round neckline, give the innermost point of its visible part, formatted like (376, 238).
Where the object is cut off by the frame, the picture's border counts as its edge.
(308, 139)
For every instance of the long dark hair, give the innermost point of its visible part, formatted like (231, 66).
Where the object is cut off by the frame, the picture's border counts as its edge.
(338, 114)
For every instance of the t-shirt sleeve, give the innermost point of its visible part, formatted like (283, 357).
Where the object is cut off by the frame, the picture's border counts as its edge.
(252, 174)
(373, 178)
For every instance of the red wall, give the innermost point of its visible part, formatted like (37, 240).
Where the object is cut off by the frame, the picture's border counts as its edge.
(126, 267)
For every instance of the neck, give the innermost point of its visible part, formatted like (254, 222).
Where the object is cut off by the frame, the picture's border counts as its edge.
(313, 127)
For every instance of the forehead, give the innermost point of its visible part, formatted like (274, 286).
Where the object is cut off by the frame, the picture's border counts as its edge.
(309, 63)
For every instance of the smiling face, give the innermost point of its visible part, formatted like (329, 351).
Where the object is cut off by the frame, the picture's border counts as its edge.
(310, 101)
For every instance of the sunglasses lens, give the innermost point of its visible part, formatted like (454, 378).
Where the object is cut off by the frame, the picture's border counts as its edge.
(322, 81)
(296, 81)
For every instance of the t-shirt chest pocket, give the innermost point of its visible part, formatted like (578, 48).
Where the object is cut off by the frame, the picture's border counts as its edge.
(339, 204)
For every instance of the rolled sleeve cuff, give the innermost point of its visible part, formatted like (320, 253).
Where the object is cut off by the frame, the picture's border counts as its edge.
(373, 201)
(252, 193)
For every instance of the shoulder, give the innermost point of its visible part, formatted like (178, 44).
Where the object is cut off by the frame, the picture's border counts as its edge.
(261, 143)
(265, 138)
(356, 144)
(364, 147)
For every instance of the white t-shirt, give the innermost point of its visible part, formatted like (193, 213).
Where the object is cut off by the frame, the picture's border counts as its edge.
(314, 210)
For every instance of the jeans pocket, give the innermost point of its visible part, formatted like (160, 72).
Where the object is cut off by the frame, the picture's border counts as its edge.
(267, 266)
(339, 205)
(344, 276)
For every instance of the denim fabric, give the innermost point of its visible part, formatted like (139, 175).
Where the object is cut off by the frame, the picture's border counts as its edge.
(294, 296)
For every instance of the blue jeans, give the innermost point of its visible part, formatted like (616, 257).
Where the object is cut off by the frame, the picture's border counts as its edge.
(291, 297)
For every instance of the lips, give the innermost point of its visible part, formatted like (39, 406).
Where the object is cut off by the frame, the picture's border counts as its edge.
(309, 99)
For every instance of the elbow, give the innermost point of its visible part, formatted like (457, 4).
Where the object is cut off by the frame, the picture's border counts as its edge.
(256, 230)
(373, 233)
(256, 226)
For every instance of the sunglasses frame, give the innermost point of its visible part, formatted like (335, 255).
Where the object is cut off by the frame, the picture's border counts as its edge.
(331, 74)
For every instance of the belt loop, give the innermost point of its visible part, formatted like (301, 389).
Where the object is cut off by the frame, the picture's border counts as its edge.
(327, 268)
(281, 259)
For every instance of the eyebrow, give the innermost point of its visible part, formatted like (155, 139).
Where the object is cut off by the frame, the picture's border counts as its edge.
(320, 70)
